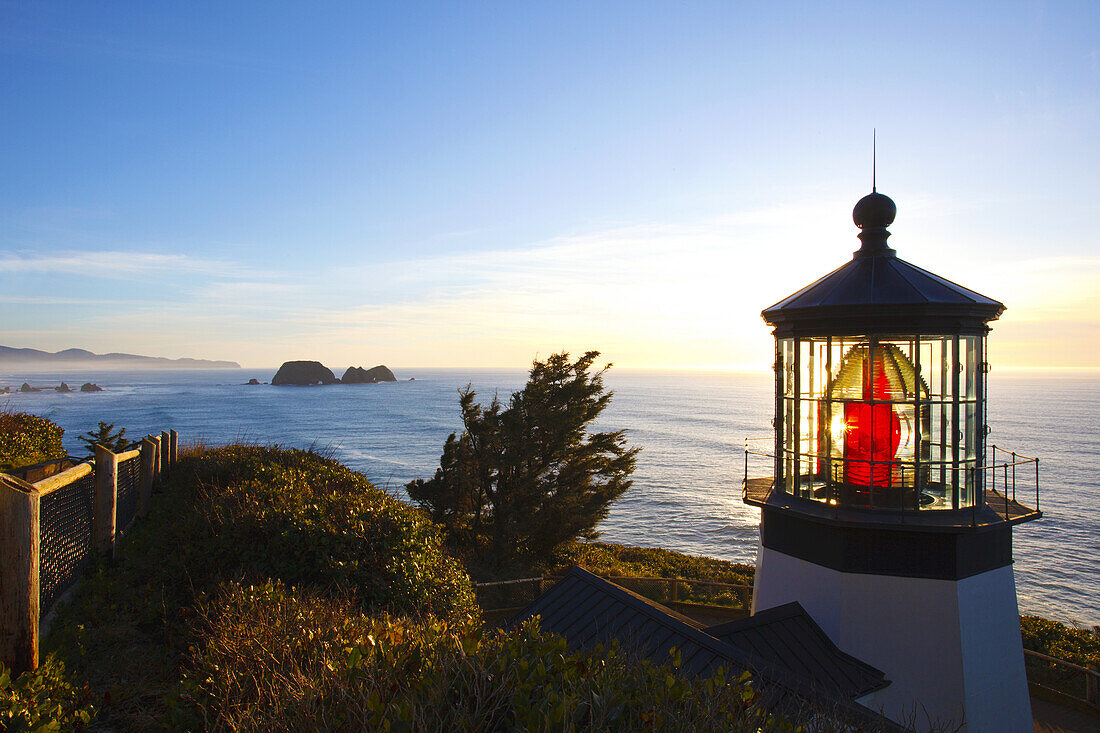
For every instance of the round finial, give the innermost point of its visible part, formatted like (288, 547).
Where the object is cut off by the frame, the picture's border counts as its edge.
(874, 210)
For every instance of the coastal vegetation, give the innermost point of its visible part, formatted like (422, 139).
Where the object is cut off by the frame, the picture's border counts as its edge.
(27, 439)
(276, 589)
(523, 479)
(106, 436)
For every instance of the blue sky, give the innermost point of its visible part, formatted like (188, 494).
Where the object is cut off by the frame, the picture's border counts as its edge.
(475, 184)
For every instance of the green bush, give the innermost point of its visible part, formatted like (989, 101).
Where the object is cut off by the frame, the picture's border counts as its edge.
(278, 659)
(608, 559)
(1079, 646)
(106, 436)
(246, 515)
(307, 520)
(43, 700)
(27, 439)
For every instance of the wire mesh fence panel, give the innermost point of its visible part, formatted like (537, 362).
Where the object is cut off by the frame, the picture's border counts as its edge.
(496, 596)
(66, 537)
(714, 593)
(129, 483)
(655, 589)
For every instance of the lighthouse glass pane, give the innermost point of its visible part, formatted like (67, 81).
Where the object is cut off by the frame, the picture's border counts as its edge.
(787, 364)
(970, 363)
(786, 427)
(874, 421)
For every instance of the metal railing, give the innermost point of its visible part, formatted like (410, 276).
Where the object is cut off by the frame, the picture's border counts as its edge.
(1013, 472)
(1015, 476)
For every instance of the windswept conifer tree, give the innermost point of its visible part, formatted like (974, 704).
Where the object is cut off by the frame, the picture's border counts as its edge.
(522, 479)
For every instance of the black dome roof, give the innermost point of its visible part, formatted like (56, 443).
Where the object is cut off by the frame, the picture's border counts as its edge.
(878, 292)
(874, 210)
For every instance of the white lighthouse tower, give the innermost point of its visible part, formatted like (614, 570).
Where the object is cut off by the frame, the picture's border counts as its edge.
(883, 516)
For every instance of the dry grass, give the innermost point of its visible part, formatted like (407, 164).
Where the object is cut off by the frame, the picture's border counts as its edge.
(194, 448)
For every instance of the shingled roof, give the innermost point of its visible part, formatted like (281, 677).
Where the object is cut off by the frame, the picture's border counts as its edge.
(883, 287)
(876, 291)
(788, 637)
(588, 610)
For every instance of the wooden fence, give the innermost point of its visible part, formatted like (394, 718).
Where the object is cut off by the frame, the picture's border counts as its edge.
(50, 528)
(1062, 682)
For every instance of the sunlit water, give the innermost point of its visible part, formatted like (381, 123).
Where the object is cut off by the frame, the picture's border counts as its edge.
(691, 427)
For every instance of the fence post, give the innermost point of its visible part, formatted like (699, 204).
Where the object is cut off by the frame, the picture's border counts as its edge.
(173, 444)
(156, 458)
(19, 563)
(165, 453)
(675, 589)
(145, 493)
(1092, 683)
(106, 499)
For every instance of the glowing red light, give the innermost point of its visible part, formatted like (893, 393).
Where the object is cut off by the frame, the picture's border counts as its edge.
(872, 433)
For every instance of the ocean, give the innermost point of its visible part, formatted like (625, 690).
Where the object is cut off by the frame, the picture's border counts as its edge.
(690, 425)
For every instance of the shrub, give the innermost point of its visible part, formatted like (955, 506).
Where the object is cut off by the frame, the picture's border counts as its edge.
(27, 439)
(246, 515)
(105, 436)
(43, 700)
(1080, 646)
(609, 559)
(523, 479)
(274, 658)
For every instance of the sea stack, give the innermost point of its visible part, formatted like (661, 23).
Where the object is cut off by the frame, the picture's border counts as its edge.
(359, 375)
(303, 373)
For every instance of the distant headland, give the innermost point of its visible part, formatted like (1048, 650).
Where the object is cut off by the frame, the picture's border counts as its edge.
(79, 358)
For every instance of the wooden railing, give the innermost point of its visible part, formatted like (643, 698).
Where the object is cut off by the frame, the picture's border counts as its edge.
(1063, 678)
(50, 528)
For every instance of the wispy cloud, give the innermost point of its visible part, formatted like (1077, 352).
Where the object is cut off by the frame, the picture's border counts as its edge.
(646, 295)
(111, 264)
(59, 300)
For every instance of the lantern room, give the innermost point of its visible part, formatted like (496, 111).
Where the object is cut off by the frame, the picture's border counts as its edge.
(883, 516)
(880, 381)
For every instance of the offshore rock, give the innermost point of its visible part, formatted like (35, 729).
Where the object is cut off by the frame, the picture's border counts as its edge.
(303, 373)
(359, 375)
(89, 387)
(63, 388)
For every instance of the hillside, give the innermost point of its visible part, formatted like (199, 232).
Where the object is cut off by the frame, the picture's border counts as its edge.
(277, 590)
(79, 358)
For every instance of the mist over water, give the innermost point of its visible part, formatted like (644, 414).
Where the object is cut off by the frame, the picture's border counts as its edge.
(691, 427)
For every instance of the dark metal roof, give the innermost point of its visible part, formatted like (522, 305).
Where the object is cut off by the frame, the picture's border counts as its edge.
(878, 292)
(588, 610)
(788, 637)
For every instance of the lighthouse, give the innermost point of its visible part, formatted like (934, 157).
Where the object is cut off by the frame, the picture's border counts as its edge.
(885, 515)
